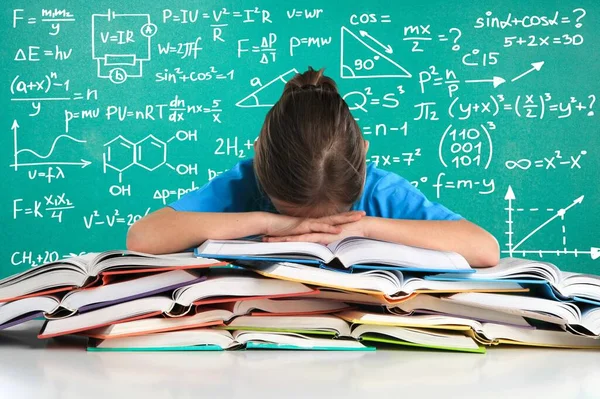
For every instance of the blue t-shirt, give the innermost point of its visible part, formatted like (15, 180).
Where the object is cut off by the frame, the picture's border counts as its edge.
(385, 195)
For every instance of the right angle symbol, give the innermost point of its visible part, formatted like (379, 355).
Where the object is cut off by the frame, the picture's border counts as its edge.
(359, 59)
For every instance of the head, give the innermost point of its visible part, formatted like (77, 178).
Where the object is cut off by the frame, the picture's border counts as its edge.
(310, 157)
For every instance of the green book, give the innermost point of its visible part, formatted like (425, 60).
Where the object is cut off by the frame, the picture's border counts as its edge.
(379, 339)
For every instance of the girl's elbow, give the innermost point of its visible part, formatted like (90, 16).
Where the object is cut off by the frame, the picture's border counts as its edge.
(489, 254)
(136, 239)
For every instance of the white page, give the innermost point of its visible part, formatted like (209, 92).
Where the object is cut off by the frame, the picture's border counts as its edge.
(21, 307)
(295, 305)
(172, 339)
(293, 339)
(114, 291)
(236, 286)
(418, 336)
(401, 320)
(162, 323)
(514, 268)
(383, 281)
(367, 251)
(319, 323)
(109, 314)
(44, 281)
(536, 336)
(253, 248)
(538, 308)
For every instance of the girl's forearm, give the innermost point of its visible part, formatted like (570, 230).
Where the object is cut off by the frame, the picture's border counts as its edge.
(478, 246)
(167, 230)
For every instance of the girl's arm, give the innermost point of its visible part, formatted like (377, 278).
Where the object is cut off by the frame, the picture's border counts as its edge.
(168, 230)
(479, 247)
(475, 244)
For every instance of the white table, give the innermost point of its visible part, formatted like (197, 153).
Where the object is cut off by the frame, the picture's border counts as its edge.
(61, 368)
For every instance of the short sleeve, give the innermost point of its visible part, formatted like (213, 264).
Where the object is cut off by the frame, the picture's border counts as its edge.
(391, 196)
(412, 204)
(232, 191)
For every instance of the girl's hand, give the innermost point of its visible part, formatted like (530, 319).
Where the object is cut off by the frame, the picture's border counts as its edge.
(355, 229)
(290, 226)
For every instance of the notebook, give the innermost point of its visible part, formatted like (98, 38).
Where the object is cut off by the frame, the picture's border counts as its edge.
(219, 287)
(585, 287)
(82, 271)
(220, 340)
(389, 285)
(582, 320)
(350, 252)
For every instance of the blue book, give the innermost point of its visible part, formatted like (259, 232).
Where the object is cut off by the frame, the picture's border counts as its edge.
(554, 283)
(350, 253)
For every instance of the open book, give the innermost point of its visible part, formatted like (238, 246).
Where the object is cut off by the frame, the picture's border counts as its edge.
(495, 334)
(350, 252)
(321, 324)
(215, 289)
(430, 304)
(445, 340)
(210, 339)
(87, 299)
(568, 285)
(581, 320)
(83, 271)
(389, 285)
(417, 321)
(159, 324)
(284, 307)
(338, 327)
(212, 317)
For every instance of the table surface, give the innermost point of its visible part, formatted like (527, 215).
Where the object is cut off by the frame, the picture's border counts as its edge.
(61, 368)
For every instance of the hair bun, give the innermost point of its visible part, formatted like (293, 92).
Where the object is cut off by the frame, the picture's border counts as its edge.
(310, 80)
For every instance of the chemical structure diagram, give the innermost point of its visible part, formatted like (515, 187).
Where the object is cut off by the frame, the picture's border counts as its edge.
(149, 153)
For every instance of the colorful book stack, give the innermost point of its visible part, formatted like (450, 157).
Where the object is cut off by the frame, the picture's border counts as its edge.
(354, 294)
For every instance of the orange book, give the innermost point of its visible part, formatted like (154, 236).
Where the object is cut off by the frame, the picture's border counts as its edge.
(225, 286)
(386, 286)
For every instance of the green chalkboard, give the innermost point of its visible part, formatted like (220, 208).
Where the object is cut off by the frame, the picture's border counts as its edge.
(112, 109)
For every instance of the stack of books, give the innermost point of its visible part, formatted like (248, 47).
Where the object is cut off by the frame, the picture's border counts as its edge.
(354, 294)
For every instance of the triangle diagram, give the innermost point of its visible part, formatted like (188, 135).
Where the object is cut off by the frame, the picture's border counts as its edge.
(268, 94)
(359, 59)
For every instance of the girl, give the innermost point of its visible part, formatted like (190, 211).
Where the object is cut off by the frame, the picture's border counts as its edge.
(309, 181)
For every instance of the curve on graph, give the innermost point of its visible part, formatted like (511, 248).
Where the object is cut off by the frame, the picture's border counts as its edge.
(51, 148)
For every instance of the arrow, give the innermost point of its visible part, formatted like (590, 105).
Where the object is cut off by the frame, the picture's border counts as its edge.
(535, 66)
(388, 49)
(595, 253)
(14, 128)
(510, 196)
(83, 163)
(496, 80)
(560, 213)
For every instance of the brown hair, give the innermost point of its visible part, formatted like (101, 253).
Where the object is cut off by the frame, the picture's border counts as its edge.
(310, 149)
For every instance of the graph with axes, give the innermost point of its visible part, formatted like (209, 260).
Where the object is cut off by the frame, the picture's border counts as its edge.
(518, 247)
